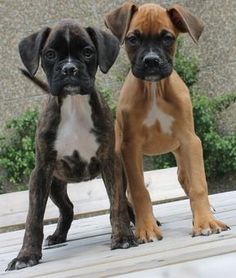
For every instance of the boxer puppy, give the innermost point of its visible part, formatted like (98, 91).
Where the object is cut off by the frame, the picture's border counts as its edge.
(75, 135)
(154, 114)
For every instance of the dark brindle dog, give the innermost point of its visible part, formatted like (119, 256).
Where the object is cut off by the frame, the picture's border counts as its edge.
(75, 136)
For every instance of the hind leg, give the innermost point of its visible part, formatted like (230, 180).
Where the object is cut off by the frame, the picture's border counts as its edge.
(59, 196)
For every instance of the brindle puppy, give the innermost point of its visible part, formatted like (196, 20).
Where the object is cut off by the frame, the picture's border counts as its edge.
(75, 136)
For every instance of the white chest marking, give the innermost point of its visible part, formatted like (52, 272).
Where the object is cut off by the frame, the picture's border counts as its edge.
(74, 131)
(156, 114)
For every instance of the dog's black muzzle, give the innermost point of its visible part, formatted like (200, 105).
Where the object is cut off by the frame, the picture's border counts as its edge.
(70, 82)
(152, 67)
(69, 79)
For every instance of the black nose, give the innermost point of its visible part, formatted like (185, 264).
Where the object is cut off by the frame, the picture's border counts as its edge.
(152, 61)
(69, 69)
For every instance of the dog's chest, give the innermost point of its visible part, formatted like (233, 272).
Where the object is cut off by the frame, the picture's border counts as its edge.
(75, 129)
(155, 114)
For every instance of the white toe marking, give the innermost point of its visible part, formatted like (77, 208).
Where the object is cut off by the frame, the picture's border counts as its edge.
(156, 114)
(206, 232)
(153, 239)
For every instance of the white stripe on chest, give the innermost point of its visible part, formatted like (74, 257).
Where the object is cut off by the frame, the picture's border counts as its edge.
(74, 131)
(156, 114)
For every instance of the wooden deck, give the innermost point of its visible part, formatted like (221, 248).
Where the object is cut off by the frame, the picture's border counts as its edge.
(178, 255)
(89, 199)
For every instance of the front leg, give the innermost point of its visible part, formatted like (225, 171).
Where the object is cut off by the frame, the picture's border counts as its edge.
(122, 235)
(146, 226)
(39, 187)
(31, 251)
(192, 177)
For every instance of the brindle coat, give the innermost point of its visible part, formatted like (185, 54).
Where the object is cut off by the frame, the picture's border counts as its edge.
(70, 56)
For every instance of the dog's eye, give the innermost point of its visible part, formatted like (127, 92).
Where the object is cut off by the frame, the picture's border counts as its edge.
(87, 52)
(168, 40)
(51, 55)
(133, 40)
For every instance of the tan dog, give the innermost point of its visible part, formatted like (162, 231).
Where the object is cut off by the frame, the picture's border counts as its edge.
(154, 114)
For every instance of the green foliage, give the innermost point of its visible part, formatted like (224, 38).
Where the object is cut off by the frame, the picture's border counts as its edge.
(219, 150)
(17, 149)
(163, 161)
(187, 66)
(109, 98)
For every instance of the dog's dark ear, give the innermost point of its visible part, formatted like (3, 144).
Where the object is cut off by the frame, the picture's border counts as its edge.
(118, 21)
(185, 21)
(107, 47)
(30, 49)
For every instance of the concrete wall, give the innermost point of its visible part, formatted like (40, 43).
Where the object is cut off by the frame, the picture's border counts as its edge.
(18, 18)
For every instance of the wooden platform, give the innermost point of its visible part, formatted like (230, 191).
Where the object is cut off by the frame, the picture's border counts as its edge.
(178, 255)
(89, 199)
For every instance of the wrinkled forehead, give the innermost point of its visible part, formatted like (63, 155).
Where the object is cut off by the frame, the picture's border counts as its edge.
(151, 19)
(68, 33)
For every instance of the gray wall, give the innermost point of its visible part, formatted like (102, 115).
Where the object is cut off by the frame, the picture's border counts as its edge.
(18, 18)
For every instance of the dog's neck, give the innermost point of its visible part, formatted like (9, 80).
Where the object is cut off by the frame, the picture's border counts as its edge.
(76, 103)
(149, 89)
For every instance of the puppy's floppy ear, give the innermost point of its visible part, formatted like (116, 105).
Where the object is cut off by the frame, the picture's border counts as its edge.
(185, 21)
(107, 47)
(118, 21)
(30, 49)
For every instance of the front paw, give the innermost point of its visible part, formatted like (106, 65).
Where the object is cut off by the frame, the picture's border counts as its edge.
(123, 240)
(22, 262)
(132, 215)
(54, 239)
(206, 226)
(147, 230)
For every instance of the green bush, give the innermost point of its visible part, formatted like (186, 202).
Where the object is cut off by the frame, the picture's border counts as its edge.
(17, 150)
(219, 150)
(187, 66)
(109, 98)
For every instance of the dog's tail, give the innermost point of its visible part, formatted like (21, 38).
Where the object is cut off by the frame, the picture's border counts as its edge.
(41, 84)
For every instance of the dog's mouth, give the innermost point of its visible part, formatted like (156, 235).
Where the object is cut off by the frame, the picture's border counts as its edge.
(152, 75)
(60, 86)
(150, 69)
(153, 78)
(72, 89)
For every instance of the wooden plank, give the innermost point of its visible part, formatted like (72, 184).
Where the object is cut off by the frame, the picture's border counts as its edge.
(165, 212)
(99, 263)
(135, 259)
(89, 199)
(217, 267)
(87, 253)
